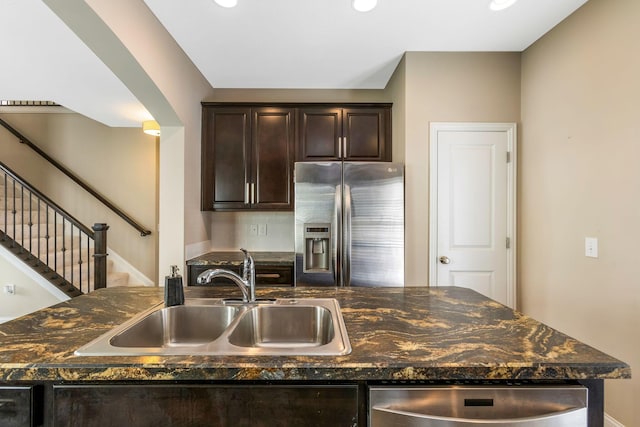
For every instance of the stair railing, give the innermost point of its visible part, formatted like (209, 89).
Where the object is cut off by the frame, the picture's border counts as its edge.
(49, 239)
(142, 230)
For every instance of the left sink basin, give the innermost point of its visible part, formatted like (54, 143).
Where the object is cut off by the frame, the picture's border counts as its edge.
(166, 330)
(181, 325)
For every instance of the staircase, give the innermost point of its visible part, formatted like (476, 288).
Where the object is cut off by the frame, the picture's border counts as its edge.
(51, 241)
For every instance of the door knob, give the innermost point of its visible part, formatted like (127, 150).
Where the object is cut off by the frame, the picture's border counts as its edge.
(444, 260)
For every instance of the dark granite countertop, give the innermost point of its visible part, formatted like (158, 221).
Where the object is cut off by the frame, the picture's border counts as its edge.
(396, 334)
(235, 258)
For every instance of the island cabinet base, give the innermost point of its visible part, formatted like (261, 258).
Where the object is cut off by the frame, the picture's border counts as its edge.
(206, 405)
(222, 404)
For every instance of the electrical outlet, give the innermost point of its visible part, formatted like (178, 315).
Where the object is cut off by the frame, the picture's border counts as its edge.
(262, 229)
(591, 247)
(253, 229)
(10, 289)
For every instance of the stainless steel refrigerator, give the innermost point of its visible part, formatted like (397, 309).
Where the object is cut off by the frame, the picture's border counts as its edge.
(349, 224)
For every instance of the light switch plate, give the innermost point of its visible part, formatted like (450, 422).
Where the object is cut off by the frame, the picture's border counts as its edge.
(262, 229)
(591, 247)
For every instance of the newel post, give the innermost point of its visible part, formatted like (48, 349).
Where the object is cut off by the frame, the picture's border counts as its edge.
(100, 255)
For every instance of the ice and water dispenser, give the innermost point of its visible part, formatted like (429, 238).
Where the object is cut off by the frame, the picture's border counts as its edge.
(317, 248)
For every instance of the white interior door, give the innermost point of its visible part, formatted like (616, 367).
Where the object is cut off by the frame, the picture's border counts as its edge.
(473, 208)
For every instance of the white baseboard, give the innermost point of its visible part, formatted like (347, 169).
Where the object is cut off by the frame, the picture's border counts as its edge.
(609, 421)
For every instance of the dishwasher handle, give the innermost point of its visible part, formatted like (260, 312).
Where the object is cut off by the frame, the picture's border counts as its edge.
(382, 416)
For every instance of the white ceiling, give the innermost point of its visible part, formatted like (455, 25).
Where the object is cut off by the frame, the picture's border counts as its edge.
(42, 59)
(261, 44)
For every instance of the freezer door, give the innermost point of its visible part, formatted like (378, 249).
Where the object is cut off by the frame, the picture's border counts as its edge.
(317, 204)
(373, 243)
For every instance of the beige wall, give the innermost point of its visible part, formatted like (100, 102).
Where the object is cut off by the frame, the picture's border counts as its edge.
(119, 163)
(444, 87)
(397, 91)
(580, 177)
(181, 88)
(28, 296)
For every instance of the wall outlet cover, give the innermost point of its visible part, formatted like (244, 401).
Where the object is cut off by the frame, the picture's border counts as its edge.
(591, 247)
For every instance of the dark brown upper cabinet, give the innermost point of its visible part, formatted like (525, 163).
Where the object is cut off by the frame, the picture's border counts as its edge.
(354, 133)
(247, 157)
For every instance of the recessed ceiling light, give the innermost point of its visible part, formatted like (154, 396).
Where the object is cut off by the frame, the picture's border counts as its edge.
(364, 5)
(227, 3)
(501, 4)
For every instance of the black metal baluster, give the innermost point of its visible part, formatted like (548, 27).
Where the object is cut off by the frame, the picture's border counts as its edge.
(47, 237)
(13, 212)
(21, 217)
(55, 241)
(89, 275)
(64, 251)
(30, 222)
(80, 260)
(5, 207)
(72, 255)
(39, 235)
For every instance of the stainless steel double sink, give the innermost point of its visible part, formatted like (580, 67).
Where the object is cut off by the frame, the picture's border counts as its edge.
(204, 326)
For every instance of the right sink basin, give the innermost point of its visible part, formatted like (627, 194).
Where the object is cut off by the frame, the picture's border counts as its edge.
(284, 326)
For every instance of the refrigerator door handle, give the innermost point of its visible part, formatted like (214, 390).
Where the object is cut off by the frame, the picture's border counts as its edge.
(338, 233)
(347, 236)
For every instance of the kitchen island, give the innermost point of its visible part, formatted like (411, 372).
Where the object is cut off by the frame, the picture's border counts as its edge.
(404, 336)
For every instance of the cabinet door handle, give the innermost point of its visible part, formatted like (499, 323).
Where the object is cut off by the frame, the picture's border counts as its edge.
(344, 146)
(339, 147)
(253, 193)
(247, 194)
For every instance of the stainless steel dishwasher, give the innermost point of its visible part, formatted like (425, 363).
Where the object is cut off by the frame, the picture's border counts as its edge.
(454, 406)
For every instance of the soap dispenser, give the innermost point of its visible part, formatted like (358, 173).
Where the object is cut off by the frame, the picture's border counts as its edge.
(173, 290)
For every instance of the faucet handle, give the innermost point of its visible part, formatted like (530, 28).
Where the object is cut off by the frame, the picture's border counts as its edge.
(245, 263)
(247, 256)
(249, 273)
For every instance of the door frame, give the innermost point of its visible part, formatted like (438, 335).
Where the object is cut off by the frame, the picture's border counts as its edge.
(511, 131)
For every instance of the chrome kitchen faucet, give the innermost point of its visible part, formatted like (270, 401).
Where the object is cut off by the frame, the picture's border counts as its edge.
(246, 283)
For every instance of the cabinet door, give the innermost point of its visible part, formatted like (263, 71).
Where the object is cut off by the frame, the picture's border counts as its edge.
(367, 133)
(353, 134)
(272, 135)
(319, 135)
(202, 405)
(16, 406)
(226, 158)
